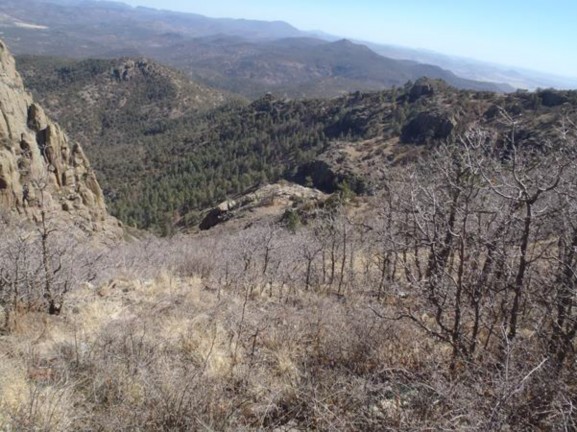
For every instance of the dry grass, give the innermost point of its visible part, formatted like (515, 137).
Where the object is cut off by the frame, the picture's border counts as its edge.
(192, 334)
(169, 354)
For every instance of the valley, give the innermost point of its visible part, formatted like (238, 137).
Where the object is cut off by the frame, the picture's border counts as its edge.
(154, 131)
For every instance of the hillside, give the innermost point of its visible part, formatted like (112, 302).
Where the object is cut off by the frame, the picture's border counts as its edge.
(140, 86)
(242, 56)
(447, 302)
(116, 108)
(324, 142)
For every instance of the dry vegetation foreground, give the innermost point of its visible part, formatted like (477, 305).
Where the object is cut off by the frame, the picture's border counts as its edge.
(191, 334)
(449, 303)
(172, 350)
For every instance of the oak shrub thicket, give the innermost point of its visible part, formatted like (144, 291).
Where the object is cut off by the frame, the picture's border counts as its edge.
(451, 305)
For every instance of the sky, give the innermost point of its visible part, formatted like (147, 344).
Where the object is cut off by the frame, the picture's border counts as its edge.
(534, 34)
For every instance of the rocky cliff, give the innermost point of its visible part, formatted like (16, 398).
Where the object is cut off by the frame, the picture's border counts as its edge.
(40, 169)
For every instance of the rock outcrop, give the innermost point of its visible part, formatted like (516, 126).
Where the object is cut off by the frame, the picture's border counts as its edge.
(423, 87)
(266, 201)
(40, 169)
(132, 68)
(427, 126)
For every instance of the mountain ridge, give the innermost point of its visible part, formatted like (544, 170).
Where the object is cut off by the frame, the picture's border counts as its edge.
(298, 67)
(246, 58)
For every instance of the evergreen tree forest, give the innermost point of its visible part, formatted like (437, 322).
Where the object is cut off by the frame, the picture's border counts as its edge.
(165, 148)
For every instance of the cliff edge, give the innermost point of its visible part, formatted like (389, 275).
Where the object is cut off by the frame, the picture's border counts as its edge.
(40, 169)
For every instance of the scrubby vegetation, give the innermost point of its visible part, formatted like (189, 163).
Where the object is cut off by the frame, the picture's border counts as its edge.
(447, 302)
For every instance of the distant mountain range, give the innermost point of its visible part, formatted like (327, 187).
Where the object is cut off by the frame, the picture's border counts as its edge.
(478, 70)
(298, 67)
(243, 56)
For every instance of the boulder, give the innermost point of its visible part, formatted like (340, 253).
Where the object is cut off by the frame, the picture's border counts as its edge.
(423, 87)
(328, 177)
(214, 217)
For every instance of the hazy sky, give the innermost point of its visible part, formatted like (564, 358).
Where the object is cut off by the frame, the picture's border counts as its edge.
(537, 34)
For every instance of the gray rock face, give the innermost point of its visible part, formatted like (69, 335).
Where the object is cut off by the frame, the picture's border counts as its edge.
(39, 168)
(132, 68)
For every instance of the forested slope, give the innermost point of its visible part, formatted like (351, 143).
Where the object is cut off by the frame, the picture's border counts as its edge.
(165, 149)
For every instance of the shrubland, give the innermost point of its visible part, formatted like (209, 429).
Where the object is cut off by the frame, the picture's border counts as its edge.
(447, 301)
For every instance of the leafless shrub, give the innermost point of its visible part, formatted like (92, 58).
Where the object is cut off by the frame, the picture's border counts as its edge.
(453, 308)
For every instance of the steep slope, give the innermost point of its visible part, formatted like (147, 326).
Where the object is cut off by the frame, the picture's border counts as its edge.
(40, 169)
(114, 108)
